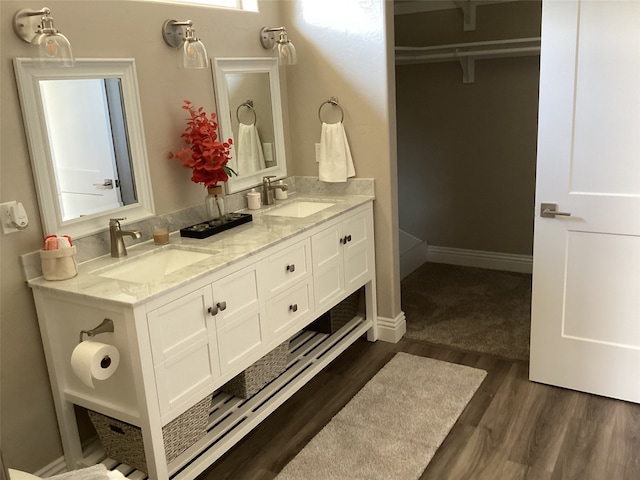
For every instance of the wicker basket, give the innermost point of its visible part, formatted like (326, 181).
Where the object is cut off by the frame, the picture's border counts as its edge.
(336, 318)
(123, 442)
(250, 381)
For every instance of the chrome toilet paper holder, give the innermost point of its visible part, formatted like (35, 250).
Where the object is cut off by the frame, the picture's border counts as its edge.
(105, 327)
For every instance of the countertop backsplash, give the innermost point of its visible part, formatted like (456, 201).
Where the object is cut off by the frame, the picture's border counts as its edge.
(98, 244)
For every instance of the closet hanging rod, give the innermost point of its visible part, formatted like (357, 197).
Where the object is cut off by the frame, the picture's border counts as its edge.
(490, 43)
(491, 49)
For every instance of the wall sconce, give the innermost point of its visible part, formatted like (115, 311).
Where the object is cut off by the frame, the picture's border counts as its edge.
(36, 27)
(286, 50)
(182, 34)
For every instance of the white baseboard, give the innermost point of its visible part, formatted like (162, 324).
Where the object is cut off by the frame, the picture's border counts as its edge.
(413, 253)
(392, 329)
(481, 259)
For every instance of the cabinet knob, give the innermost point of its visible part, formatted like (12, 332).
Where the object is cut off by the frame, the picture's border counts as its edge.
(291, 268)
(218, 307)
(346, 239)
(294, 307)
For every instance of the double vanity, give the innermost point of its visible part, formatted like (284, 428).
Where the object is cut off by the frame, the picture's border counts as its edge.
(191, 315)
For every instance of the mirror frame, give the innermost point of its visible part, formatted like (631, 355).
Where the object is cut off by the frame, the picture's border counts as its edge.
(222, 66)
(29, 72)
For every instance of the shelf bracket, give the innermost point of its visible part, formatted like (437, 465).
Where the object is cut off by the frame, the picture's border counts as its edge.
(468, 65)
(469, 14)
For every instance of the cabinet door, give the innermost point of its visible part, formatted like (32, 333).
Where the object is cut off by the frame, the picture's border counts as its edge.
(358, 250)
(184, 349)
(328, 269)
(238, 318)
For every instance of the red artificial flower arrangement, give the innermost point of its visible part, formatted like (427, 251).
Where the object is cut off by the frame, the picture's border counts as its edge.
(202, 151)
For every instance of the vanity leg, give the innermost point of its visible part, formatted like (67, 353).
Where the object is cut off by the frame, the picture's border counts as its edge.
(371, 308)
(69, 434)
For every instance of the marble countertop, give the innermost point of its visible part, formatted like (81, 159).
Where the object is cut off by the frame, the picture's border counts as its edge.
(226, 248)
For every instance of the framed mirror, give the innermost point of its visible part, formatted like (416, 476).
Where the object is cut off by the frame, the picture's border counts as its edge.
(250, 112)
(86, 142)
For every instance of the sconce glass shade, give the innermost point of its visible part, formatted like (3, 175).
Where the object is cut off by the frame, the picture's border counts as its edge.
(194, 52)
(54, 47)
(286, 51)
(36, 27)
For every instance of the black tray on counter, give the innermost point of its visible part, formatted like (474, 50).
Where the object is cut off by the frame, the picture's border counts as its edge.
(211, 227)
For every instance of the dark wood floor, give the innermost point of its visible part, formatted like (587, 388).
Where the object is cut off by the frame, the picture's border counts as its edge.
(511, 429)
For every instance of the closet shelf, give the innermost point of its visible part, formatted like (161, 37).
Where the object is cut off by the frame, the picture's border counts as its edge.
(468, 53)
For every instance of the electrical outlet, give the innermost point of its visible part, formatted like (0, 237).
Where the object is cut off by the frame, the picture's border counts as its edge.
(317, 153)
(7, 226)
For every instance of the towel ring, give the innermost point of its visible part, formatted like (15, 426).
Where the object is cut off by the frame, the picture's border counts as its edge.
(248, 104)
(332, 101)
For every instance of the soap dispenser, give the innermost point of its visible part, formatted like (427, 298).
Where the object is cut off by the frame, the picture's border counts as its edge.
(281, 193)
(253, 199)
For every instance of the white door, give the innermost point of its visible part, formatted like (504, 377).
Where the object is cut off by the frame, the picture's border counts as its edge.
(82, 145)
(585, 331)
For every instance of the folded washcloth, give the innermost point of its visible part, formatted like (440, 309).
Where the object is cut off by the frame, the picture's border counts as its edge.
(336, 164)
(249, 150)
(97, 472)
(63, 242)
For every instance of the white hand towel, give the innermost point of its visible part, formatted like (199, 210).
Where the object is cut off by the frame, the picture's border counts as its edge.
(336, 164)
(249, 151)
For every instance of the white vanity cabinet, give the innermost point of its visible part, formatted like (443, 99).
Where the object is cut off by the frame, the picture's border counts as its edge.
(343, 259)
(182, 344)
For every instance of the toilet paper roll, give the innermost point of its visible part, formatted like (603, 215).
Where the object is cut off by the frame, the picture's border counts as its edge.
(94, 361)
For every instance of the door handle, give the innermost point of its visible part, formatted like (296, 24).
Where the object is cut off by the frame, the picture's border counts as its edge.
(108, 183)
(550, 210)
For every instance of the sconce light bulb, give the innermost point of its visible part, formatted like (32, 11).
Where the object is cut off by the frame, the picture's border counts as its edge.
(51, 48)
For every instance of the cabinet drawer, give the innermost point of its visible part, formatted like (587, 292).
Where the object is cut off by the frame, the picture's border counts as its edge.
(287, 312)
(287, 267)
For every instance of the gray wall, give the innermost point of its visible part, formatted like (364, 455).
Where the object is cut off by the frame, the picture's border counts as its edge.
(467, 152)
(29, 433)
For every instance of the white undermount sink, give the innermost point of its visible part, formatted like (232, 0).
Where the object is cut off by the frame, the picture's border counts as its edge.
(298, 209)
(152, 266)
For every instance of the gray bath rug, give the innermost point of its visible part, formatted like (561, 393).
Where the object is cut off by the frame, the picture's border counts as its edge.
(393, 426)
(473, 309)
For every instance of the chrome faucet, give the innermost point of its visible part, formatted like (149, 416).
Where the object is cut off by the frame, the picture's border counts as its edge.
(117, 242)
(268, 188)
